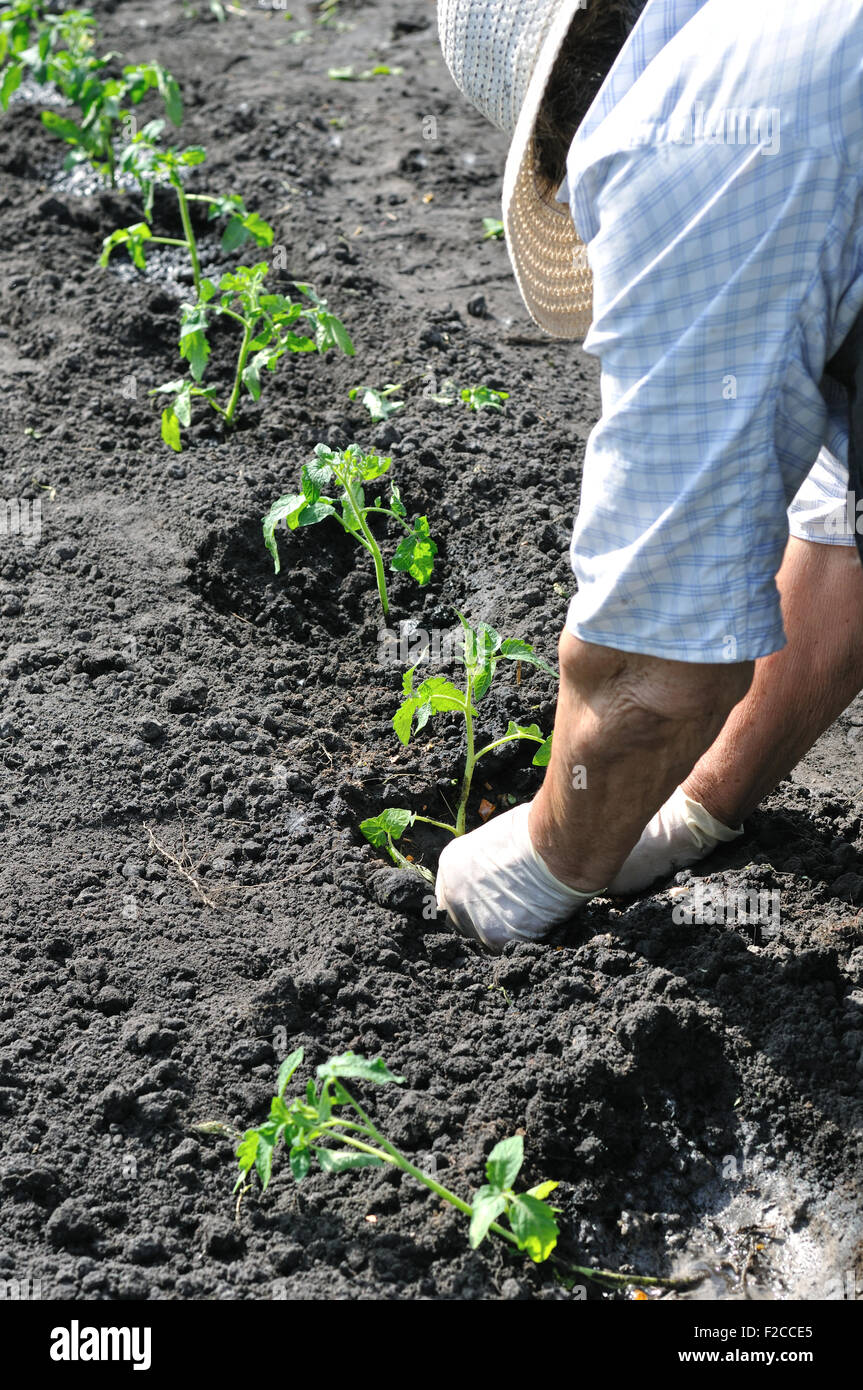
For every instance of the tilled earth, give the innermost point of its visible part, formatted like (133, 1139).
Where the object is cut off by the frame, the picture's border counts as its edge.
(698, 1091)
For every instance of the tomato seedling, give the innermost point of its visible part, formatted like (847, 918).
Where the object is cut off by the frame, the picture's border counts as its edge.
(326, 1124)
(376, 400)
(483, 398)
(482, 650)
(59, 49)
(492, 229)
(346, 472)
(151, 166)
(29, 38)
(269, 323)
(105, 105)
(351, 75)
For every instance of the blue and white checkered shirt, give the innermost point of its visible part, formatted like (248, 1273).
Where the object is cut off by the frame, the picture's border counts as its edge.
(717, 182)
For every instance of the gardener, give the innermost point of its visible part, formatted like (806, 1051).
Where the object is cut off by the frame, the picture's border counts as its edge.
(716, 181)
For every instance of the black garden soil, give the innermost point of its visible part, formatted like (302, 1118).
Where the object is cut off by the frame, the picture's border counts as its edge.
(697, 1090)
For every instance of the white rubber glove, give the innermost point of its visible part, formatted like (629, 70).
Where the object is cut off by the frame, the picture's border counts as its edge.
(681, 833)
(495, 888)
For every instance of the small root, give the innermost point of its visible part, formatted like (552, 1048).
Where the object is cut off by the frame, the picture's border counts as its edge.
(183, 864)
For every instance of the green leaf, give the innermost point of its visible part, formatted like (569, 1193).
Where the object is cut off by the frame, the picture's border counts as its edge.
(351, 1065)
(377, 402)
(516, 650)
(542, 756)
(487, 1206)
(258, 229)
(280, 1112)
(533, 1226)
(350, 519)
(62, 126)
(10, 82)
(404, 717)
(396, 503)
(415, 553)
(484, 398)
(373, 466)
(486, 642)
(314, 512)
(392, 822)
(169, 90)
(424, 714)
(442, 694)
(171, 430)
(194, 346)
(252, 371)
(492, 228)
(332, 1162)
(234, 234)
(542, 1190)
(504, 1162)
(301, 1161)
(280, 307)
(315, 476)
(182, 404)
(264, 1158)
(247, 1148)
(514, 730)
(330, 332)
(288, 510)
(133, 238)
(287, 1069)
(297, 342)
(483, 680)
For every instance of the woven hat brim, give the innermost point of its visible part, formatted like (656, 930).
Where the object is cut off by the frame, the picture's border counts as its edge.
(549, 259)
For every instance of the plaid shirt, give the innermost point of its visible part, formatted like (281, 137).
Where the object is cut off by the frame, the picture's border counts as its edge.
(717, 182)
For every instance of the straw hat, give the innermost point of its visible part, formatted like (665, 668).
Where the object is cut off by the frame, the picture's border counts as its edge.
(501, 54)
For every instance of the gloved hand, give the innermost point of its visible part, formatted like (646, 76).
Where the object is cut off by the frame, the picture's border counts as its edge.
(681, 833)
(495, 887)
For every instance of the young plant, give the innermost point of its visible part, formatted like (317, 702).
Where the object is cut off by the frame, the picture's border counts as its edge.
(105, 106)
(269, 323)
(59, 49)
(483, 649)
(376, 400)
(29, 39)
(492, 229)
(346, 472)
(151, 166)
(484, 398)
(350, 74)
(327, 1125)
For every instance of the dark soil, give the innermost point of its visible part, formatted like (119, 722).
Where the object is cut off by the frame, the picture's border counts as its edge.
(697, 1090)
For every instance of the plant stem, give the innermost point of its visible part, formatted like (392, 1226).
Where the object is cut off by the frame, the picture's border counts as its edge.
(388, 1153)
(385, 511)
(511, 738)
(440, 824)
(371, 544)
(470, 759)
(238, 377)
(190, 235)
(397, 1160)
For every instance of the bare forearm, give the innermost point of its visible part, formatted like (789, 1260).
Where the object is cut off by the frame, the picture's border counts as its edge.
(797, 693)
(627, 729)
